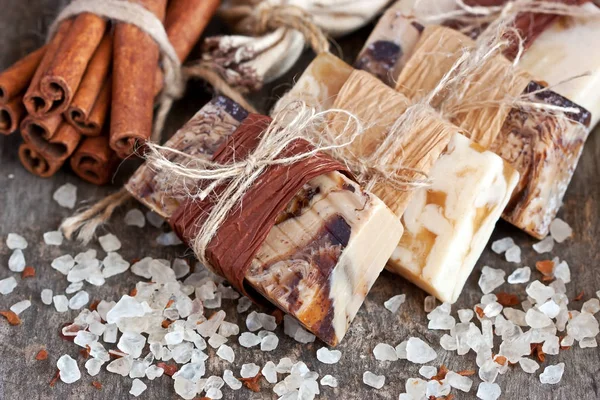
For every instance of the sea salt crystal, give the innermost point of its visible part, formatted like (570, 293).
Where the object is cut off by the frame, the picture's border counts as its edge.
(588, 342)
(109, 243)
(592, 306)
(173, 338)
(216, 341)
(327, 356)
(500, 246)
(448, 343)
(394, 303)
(53, 238)
(401, 350)
(269, 371)
(132, 343)
(269, 343)
(168, 239)
(528, 365)
(537, 319)
(249, 339)
(437, 389)
(428, 371)
(244, 304)
(181, 268)
(74, 287)
(582, 326)
(513, 254)
(231, 380)
(560, 230)
(419, 352)
(551, 346)
(550, 309)
(492, 309)
(79, 300)
(330, 381)
(69, 371)
(16, 262)
(544, 246)
(226, 353)
(93, 366)
(267, 321)
(490, 279)
(375, 381)
(135, 217)
(7, 285)
(127, 307)
(61, 303)
(520, 275)
(153, 372)
(552, 374)
(459, 382)
(63, 264)
(15, 241)
(214, 394)
(21, 306)
(562, 272)
(384, 352)
(46, 296)
(416, 388)
(182, 353)
(137, 387)
(488, 391)
(465, 315)
(185, 388)
(539, 292)
(114, 264)
(249, 370)
(66, 195)
(429, 303)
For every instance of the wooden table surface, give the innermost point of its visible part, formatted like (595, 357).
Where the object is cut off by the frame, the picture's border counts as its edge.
(26, 208)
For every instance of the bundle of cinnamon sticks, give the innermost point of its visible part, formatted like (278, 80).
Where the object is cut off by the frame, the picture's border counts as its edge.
(88, 95)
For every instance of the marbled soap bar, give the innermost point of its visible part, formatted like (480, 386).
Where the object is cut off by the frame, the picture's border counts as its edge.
(318, 85)
(327, 248)
(568, 48)
(416, 144)
(448, 224)
(545, 150)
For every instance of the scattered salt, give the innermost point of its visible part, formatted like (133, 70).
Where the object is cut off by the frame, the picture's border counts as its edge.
(269, 371)
(120, 366)
(21, 306)
(168, 239)
(562, 272)
(16, 262)
(226, 353)
(15, 241)
(79, 300)
(231, 380)
(155, 219)
(560, 230)
(544, 246)
(53, 238)
(384, 352)
(394, 303)
(127, 307)
(69, 371)
(135, 217)
(528, 365)
(93, 366)
(490, 279)
(327, 356)
(500, 246)
(63, 264)
(329, 380)
(181, 268)
(137, 387)
(429, 303)
(153, 372)
(488, 391)
(537, 319)
(552, 374)
(520, 275)
(513, 254)
(269, 343)
(428, 371)
(375, 381)
(592, 306)
(132, 343)
(46, 296)
(419, 352)
(109, 243)
(7, 285)
(249, 370)
(66, 195)
(458, 381)
(61, 303)
(401, 350)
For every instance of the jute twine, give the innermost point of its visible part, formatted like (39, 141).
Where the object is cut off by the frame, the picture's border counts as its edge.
(175, 77)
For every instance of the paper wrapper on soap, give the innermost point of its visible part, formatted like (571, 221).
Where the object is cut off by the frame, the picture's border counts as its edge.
(327, 245)
(448, 224)
(569, 47)
(544, 149)
(263, 51)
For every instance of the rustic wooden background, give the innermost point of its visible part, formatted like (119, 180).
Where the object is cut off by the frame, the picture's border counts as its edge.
(26, 207)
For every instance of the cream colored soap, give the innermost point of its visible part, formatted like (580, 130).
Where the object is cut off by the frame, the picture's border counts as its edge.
(570, 47)
(448, 224)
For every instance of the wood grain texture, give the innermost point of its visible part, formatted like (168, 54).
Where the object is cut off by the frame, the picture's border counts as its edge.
(26, 207)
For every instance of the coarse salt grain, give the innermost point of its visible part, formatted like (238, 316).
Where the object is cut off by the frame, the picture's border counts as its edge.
(513, 254)
(21, 306)
(552, 374)
(15, 241)
(16, 262)
(394, 303)
(137, 387)
(135, 217)
(66, 195)
(249, 370)
(7, 285)
(373, 380)
(419, 352)
(53, 238)
(109, 243)
(46, 296)
(490, 279)
(69, 371)
(385, 352)
(500, 246)
(544, 246)
(560, 230)
(520, 275)
(327, 356)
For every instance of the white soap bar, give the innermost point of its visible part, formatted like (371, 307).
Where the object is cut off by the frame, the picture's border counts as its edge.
(448, 224)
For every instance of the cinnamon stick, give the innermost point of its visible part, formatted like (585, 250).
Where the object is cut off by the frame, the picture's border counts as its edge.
(42, 128)
(34, 101)
(14, 80)
(64, 74)
(44, 157)
(94, 160)
(11, 114)
(88, 109)
(135, 54)
(185, 21)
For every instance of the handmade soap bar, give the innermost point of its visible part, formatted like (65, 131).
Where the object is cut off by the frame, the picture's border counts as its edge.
(414, 145)
(318, 85)
(545, 149)
(448, 224)
(327, 247)
(566, 49)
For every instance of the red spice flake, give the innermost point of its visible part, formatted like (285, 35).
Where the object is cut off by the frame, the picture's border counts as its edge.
(85, 352)
(28, 272)
(546, 267)
(507, 300)
(479, 311)
(466, 372)
(165, 324)
(278, 314)
(97, 385)
(500, 360)
(170, 369)
(41, 355)
(536, 348)
(11, 317)
(441, 375)
(133, 292)
(55, 378)
(547, 278)
(134, 261)
(252, 383)
(116, 354)
(170, 303)
(94, 305)
(579, 296)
